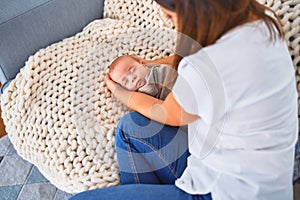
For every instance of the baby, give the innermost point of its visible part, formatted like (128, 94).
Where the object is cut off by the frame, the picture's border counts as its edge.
(156, 80)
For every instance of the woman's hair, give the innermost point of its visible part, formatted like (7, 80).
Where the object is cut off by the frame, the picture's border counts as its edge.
(205, 21)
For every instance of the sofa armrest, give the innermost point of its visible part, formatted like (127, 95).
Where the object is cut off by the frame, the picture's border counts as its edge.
(27, 26)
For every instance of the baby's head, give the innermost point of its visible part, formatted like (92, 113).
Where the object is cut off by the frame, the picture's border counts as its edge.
(128, 72)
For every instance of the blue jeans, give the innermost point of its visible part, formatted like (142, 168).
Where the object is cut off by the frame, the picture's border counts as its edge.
(151, 157)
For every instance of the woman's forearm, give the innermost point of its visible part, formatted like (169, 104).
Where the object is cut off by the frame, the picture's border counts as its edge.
(168, 60)
(141, 103)
(166, 112)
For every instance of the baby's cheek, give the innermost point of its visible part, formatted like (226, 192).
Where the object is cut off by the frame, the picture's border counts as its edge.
(129, 88)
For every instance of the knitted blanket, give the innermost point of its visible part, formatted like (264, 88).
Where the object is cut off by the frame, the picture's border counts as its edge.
(58, 113)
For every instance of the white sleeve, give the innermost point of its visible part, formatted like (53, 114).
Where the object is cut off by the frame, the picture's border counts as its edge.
(191, 92)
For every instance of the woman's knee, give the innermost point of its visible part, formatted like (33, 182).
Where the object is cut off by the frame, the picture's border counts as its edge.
(133, 119)
(130, 125)
(137, 125)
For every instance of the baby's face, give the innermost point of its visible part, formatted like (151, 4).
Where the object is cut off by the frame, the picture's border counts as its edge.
(130, 74)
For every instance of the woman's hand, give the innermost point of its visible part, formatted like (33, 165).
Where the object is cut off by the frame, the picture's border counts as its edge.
(117, 90)
(110, 84)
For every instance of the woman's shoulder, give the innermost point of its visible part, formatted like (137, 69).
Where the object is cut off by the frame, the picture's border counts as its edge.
(245, 40)
(252, 33)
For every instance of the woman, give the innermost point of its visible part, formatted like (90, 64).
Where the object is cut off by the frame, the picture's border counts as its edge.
(238, 96)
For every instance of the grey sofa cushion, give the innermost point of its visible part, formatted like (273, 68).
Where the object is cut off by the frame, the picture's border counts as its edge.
(27, 26)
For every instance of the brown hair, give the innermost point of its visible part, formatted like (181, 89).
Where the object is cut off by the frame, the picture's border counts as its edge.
(205, 21)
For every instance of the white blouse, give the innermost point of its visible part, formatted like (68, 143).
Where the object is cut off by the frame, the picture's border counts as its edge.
(244, 90)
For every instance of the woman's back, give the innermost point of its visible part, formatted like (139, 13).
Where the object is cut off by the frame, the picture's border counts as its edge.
(260, 120)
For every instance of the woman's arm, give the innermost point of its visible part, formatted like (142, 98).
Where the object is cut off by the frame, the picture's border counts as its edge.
(168, 60)
(167, 112)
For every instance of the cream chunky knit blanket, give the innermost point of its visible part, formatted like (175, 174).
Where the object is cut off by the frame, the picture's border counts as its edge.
(58, 113)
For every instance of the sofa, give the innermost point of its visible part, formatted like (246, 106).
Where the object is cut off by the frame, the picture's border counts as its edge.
(54, 54)
(27, 26)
